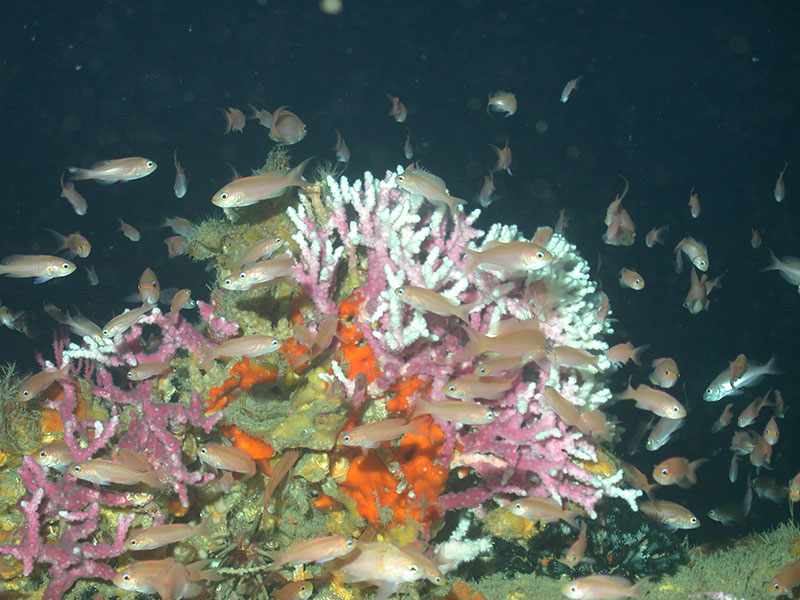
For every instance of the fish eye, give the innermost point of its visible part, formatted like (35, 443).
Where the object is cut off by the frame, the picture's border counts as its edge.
(573, 588)
(106, 332)
(203, 450)
(451, 388)
(150, 163)
(400, 291)
(400, 178)
(132, 542)
(693, 520)
(223, 196)
(437, 580)
(665, 471)
(275, 343)
(346, 438)
(26, 393)
(126, 577)
(518, 505)
(490, 414)
(76, 469)
(130, 374)
(413, 568)
(349, 543)
(228, 281)
(42, 453)
(242, 275)
(65, 265)
(539, 254)
(278, 239)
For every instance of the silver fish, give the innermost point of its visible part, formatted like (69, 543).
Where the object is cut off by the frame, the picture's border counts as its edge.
(721, 386)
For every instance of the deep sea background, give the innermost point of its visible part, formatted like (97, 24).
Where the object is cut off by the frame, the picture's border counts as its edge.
(674, 95)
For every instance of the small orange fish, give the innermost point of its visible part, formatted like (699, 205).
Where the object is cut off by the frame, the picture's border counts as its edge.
(112, 171)
(146, 370)
(503, 158)
(678, 471)
(124, 321)
(55, 455)
(696, 251)
(78, 202)
(785, 580)
(74, 244)
(41, 267)
(163, 535)
(771, 431)
(780, 187)
(514, 256)
(665, 372)
(177, 245)
(180, 300)
(318, 550)
(724, 419)
(655, 236)
(426, 300)
(149, 287)
(408, 149)
(417, 180)
(631, 279)
(595, 587)
(574, 554)
(738, 368)
(755, 238)
(656, 401)
(179, 186)
(570, 87)
(341, 149)
(246, 345)
(622, 353)
(372, 435)
(502, 102)
(234, 119)
(398, 110)
(544, 510)
(694, 204)
(227, 458)
(129, 231)
(245, 191)
(671, 514)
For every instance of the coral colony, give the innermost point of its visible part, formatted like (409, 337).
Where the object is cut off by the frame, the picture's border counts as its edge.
(355, 247)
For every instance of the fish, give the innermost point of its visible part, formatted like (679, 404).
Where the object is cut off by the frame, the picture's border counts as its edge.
(426, 300)
(371, 435)
(74, 244)
(780, 187)
(107, 472)
(733, 468)
(179, 225)
(177, 245)
(179, 186)
(771, 431)
(39, 266)
(696, 251)
(724, 419)
(319, 550)
(694, 204)
(417, 180)
(68, 192)
(408, 149)
(227, 458)
(111, 171)
(622, 353)
(656, 401)
(169, 579)
(671, 514)
(148, 287)
(502, 102)
(794, 488)
(286, 127)
(91, 276)
(246, 191)
(727, 514)
(146, 370)
(678, 471)
(665, 372)
(755, 238)
(263, 248)
(398, 110)
(503, 158)
(544, 510)
(631, 279)
(39, 382)
(463, 412)
(234, 119)
(486, 195)
(570, 87)
(738, 368)
(181, 299)
(766, 487)
(261, 273)
(721, 386)
(247, 345)
(663, 432)
(471, 386)
(514, 256)
(151, 538)
(294, 590)
(696, 299)
(525, 342)
(655, 236)
(56, 455)
(750, 414)
(637, 480)
(785, 580)
(788, 267)
(124, 321)
(78, 324)
(567, 356)
(601, 587)
(129, 231)
(16, 320)
(574, 555)
(341, 149)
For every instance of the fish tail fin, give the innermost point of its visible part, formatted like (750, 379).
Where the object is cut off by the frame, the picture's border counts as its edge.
(636, 590)
(420, 409)
(569, 517)
(691, 474)
(464, 310)
(475, 346)
(774, 264)
(77, 174)
(296, 175)
(472, 258)
(771, 368)
(637, 354)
